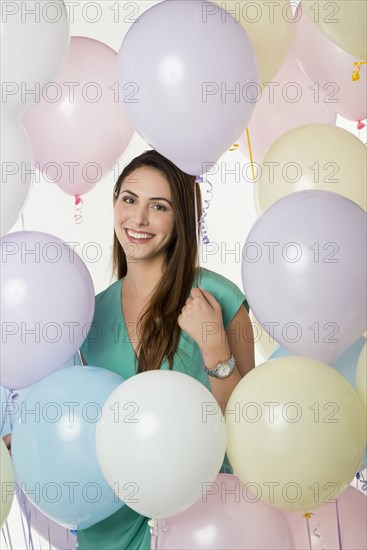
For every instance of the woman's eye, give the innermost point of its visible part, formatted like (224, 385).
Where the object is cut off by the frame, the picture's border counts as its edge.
(160, 207)
(128, 200)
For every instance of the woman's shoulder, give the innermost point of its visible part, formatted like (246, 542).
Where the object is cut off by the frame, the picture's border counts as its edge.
(225, 291)
(211, 279)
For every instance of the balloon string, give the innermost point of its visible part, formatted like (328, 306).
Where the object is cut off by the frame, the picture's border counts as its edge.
(197, 233)
(22, 218)
(29, 523)
(250, 153)
(4, 536)
(338, 524)
(78, 209)
(48, 534)
(21, 518)
(37, 526)
(315, 533)
(156, 526)
(9, 537)
(355, 75)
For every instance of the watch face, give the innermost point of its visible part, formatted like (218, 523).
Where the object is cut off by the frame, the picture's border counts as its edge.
(224, 370)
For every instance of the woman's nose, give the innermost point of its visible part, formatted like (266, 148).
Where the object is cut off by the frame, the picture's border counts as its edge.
(140, 216)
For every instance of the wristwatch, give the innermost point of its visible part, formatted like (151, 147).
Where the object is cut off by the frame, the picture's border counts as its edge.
(223, 369)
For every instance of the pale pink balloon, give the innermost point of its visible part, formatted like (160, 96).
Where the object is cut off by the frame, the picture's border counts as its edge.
(78, 129)
(331, 68)
(228, 515)
(352, 509)
(287, 102)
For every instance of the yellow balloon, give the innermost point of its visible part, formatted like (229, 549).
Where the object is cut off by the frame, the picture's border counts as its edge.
(314, 156)
(6, 483)
(264, 343)
(270, 28)
(343, 22)
(361, 376)
(296, 432)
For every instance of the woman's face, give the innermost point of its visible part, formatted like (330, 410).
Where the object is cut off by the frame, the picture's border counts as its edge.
(143, 219)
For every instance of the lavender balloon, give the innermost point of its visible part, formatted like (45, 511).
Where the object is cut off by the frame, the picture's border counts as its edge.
(47, 305)
(304, 273)
(188, 76)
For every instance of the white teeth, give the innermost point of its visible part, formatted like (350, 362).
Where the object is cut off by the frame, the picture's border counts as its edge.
(139, 235)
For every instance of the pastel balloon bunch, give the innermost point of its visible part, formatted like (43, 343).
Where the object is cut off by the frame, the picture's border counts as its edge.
(26, 66)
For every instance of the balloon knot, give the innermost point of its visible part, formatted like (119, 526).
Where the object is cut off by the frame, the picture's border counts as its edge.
(360, 125)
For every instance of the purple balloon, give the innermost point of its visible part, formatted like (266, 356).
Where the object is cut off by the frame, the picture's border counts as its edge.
(228, 515)
(189, 81)
(47, 305)
(304, 273)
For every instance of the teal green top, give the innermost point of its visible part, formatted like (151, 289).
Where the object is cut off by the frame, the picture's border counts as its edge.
(108, 346)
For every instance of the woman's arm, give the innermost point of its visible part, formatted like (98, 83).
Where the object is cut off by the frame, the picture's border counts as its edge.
(202, 312)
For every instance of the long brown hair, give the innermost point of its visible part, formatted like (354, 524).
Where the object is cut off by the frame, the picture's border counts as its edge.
(158, 325)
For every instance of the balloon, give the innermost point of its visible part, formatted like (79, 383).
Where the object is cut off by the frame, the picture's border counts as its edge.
(17, 164)
(263, 342)
(189, 64)
(6, 483)
(344, 23)
(330, 72)
(54, 447)
(169, 439)
(47, 305)
(296, 430)
(304, 275)
(270, 28)
(227, 516)
(26, 64)
(314, 156)
(361, 376)
(352, 509)
(57, 536)
(82, 131)
(287, 104)
(346, 365)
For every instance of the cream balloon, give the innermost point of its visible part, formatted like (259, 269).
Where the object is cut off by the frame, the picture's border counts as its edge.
(296, 430)
(17, 165)
(161, 436)
(361, 376)
(343, 22)
(6, 483)
(313, 156)
(270, 28)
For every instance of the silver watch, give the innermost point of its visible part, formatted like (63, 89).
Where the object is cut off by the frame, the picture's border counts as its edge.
(223, 369)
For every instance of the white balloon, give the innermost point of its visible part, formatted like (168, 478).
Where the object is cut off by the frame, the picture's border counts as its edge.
(160, 439)
(34, 41)
(17, 167)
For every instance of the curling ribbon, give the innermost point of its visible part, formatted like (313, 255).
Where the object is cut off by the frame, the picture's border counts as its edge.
(78, 210)
(308, 516)
(355, 75)
(207, 201)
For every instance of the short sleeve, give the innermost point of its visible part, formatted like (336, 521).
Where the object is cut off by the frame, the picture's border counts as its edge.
(225, 292)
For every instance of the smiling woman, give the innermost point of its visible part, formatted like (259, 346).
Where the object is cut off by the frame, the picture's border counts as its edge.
(155, 316)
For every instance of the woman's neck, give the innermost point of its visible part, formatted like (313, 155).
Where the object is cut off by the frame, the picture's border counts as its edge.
(142, 277)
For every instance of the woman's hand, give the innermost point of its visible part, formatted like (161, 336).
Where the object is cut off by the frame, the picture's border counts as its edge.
(202, 319)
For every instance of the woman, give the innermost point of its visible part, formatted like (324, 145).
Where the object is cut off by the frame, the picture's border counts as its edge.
(156, 315)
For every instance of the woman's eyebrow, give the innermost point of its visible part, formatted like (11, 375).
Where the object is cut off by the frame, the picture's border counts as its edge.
(151, 198)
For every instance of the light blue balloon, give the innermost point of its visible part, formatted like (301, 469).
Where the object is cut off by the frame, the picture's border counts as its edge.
(54, 449)
(346, 365)
(10, 402)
